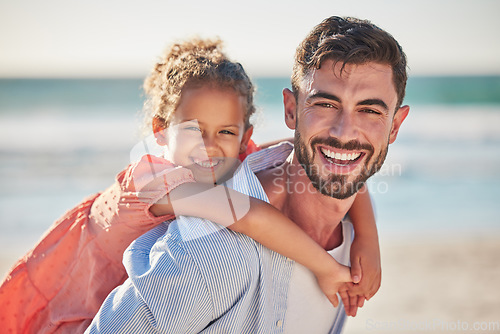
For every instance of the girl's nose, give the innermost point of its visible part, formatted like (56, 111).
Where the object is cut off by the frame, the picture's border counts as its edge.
(209, 144)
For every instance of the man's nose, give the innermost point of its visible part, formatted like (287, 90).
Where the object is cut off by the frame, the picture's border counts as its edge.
(344, 127)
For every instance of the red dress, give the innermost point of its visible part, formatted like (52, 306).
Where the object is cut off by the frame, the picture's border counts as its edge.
(61, 283)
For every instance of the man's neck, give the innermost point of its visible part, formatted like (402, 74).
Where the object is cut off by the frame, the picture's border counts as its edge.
(291, 191)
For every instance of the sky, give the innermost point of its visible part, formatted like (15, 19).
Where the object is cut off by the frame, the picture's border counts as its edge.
(123, 38)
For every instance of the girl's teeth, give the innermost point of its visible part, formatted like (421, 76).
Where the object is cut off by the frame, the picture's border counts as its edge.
(207, 163)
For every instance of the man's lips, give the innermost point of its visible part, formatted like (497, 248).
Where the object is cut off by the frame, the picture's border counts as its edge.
(341, 157)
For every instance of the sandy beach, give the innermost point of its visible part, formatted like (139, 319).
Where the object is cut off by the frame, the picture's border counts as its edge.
(429, 285)
(437, 286)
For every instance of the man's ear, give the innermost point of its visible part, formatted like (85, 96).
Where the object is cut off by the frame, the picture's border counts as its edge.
(398, 119)
(290, 105)
(159, 127)
(245, 139)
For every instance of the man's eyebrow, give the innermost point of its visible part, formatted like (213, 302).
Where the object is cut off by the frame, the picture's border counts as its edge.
(367, 102)
(374, 102)
(323, 95)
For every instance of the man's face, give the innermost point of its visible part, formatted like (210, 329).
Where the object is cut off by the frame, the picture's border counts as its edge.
(343, 124)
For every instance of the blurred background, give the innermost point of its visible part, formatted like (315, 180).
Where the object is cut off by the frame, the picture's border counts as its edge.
(70, 101)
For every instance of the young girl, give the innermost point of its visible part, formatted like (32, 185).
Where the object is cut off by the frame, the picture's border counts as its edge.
(200, 105)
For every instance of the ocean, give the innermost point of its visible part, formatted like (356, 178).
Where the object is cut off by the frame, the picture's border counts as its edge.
(64, 139)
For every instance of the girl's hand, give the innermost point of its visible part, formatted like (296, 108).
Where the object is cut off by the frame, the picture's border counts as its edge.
(331, 279)
(351, 302)
(366, 274)
(365, 263)
(152, 175)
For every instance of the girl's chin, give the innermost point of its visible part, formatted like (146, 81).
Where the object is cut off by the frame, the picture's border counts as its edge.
(205, 176)
(218, 178)
(217, 175)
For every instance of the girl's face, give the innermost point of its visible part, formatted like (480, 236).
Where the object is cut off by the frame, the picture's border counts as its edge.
(207, 133)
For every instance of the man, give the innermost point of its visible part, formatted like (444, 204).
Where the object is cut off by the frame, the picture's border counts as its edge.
(348, 85)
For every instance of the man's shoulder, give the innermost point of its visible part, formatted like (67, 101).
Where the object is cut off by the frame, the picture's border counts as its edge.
(269, 157)
(194, 244)
(197, 236)
(228, 263)
(192, 251)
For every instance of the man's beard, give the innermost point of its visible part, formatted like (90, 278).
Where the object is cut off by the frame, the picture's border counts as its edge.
(337, 186)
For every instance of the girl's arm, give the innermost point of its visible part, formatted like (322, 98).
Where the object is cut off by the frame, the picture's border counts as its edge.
(365, 252)
(260, 221)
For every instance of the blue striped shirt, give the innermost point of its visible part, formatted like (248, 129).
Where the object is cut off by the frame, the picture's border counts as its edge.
(193, 276)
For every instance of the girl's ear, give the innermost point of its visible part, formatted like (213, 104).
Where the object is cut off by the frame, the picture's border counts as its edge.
(290, 105)
(245, 139)
(159, 130)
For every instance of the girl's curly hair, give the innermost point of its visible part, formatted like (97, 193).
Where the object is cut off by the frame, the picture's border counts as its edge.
(189, 64)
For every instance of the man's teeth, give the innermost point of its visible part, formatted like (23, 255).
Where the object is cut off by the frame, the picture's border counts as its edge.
(340, 156)
(207, 163)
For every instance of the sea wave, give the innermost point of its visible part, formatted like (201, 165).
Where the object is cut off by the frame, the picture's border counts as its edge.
(452, 123)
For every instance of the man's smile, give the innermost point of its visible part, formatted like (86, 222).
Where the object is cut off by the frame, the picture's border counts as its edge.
(340, 157)
(341, 161)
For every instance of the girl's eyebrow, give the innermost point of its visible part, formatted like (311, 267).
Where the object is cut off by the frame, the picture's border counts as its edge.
(195, 120)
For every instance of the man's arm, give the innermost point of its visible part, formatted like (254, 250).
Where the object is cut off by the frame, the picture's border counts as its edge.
(365, 254)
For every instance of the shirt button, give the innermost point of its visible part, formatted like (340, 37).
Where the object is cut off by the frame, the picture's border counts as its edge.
(279, 323)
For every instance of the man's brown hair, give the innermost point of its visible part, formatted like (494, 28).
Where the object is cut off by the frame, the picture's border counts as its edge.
(350, 41)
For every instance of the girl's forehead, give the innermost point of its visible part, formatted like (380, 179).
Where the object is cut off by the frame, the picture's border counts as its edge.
(210, 88)
(217, 105)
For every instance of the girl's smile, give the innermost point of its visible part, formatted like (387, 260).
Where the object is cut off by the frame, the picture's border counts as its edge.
(206, 132)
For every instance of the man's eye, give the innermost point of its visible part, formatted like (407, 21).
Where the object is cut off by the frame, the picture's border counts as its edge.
(324, 105)
(371, 111)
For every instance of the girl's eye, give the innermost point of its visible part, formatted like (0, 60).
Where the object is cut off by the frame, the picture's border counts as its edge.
(227, 132)
(192, 128)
